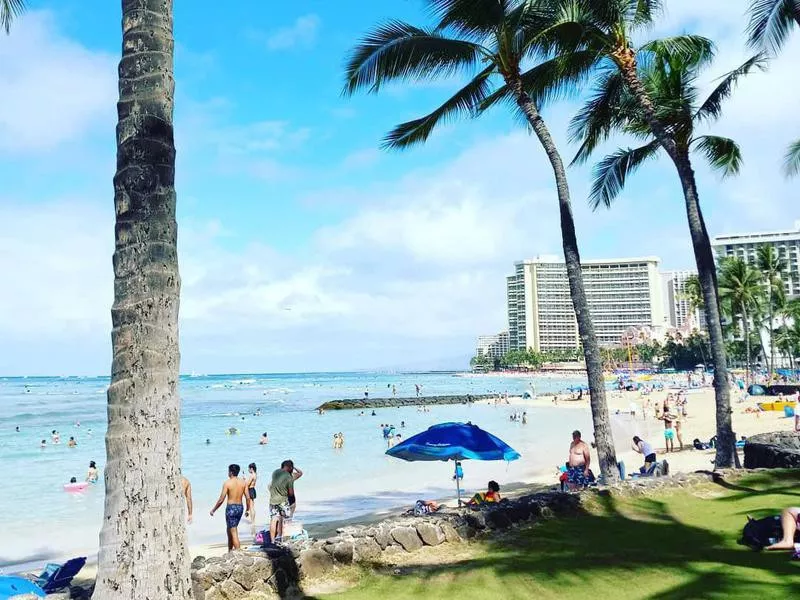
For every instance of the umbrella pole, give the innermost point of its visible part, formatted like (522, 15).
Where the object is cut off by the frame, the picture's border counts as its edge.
(458, 484)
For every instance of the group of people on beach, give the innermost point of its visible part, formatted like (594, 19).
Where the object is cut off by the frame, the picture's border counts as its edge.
(240, 493)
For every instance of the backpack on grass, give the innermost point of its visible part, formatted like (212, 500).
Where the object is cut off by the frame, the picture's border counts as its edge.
(760, 533)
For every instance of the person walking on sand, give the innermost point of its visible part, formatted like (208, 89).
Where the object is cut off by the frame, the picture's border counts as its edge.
(187, 495)
(578, 462)
(235, 490)
(252, 479)
(281, 488)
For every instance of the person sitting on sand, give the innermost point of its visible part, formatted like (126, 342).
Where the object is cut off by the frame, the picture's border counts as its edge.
(235, 490)
(790, 522)
(645, 449)
(491, 495)
(91, 474)
(578, 474)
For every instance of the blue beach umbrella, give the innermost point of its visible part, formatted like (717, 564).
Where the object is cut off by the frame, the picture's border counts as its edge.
(454, 441)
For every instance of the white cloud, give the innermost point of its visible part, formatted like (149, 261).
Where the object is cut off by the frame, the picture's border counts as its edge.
(303, 32)
(52, 89)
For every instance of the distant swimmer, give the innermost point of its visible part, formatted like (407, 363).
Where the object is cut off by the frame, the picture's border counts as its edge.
(55, 437)
(77, 423)
(91, 474)
(17, 429)
(208, 442)
(234, 490)
(89, 431)
(264, 439)
(72, 443)
(232, 431)
(43, 445)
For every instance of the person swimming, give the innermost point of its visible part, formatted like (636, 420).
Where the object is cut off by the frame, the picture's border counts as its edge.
(208, 442)
(43, 445)
(91, 474)
(264, 439)
(72, 443)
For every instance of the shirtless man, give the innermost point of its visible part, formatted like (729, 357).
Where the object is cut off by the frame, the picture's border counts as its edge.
(187, 494)
(578, 462)
(234, 489)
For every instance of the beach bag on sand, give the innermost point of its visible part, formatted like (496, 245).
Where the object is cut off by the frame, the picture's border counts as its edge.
(760, 533)
(262, 538)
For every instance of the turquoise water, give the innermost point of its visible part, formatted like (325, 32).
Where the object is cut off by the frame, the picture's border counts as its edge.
(337, 484)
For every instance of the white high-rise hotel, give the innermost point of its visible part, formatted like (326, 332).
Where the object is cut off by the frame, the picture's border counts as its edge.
(786, 244)
(621, 293)
(678, 308)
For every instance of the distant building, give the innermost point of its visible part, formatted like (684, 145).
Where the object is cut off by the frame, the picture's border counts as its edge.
(679, 311)
(622, 293)
(786, 243)
(493, 346)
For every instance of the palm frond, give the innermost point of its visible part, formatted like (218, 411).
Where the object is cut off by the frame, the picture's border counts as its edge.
(722, 153)
(610, 174)
(791, 165)
(599, 116)
(399, 51)
(469, 17)
(643, 12)
(690, 50)
(10, 10)
(771, 22)
(551, 80)
(464, 101)
(711, 109)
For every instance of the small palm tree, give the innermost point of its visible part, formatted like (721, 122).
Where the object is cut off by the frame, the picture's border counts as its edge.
(772, 268)
(669, 79)
(491, 41)
(694, 293)
(771, 22)
(741, 289)
(9, 10)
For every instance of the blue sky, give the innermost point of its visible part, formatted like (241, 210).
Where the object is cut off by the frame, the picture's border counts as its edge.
(303, 245)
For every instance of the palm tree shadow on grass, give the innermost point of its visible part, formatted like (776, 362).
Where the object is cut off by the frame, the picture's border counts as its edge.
(761, 484)
(577, 551)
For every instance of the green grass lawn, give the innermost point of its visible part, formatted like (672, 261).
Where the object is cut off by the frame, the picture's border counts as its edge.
(680, 545)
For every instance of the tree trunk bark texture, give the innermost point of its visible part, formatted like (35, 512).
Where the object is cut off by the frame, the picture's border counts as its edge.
(143, 553)
(746, 327)
(707, 273)
(591, 350)
(704, 256)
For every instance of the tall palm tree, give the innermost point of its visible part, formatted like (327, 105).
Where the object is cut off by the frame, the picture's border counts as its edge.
(668, 78)
(607, 28)
(9, 10)
(143, 551)
(491, 41)
(772, 268)
(771, 22)
(741, 288)
(693, 293)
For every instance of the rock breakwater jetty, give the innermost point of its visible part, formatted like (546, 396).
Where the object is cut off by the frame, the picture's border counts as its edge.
(361, 403)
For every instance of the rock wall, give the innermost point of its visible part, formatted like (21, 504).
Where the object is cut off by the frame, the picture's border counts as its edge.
(277, 572)
(778, 450)
(363, 403)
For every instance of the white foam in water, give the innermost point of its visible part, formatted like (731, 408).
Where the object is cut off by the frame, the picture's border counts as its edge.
(337, 484)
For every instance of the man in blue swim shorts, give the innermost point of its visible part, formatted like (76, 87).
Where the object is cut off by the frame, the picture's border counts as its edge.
(578, 463)
(235, 490)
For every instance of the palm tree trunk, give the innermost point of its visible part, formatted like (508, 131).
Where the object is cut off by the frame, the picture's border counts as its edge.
(704, 258)
(603, 437)
(143, 552)
(771, 333)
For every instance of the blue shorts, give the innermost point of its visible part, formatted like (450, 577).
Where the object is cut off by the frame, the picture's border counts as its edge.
(669, 434)
(233, 514)
(575, 476)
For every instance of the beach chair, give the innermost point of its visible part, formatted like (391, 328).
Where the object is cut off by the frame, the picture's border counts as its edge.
(55, 576)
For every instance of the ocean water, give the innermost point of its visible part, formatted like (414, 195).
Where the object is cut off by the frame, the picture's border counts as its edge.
(40, 520)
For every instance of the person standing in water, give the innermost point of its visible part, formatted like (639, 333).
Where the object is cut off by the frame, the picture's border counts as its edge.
(252, 478)
(264, 439)
(91, 474)
(235, 491)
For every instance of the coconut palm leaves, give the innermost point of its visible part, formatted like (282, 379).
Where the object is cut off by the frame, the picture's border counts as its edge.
(771, 21)
(671, 83)
(9, 10)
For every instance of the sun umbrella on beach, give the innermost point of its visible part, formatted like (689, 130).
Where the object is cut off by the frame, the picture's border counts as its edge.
(454, 441)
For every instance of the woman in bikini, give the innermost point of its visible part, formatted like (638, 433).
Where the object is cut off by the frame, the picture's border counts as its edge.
(251, 492)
